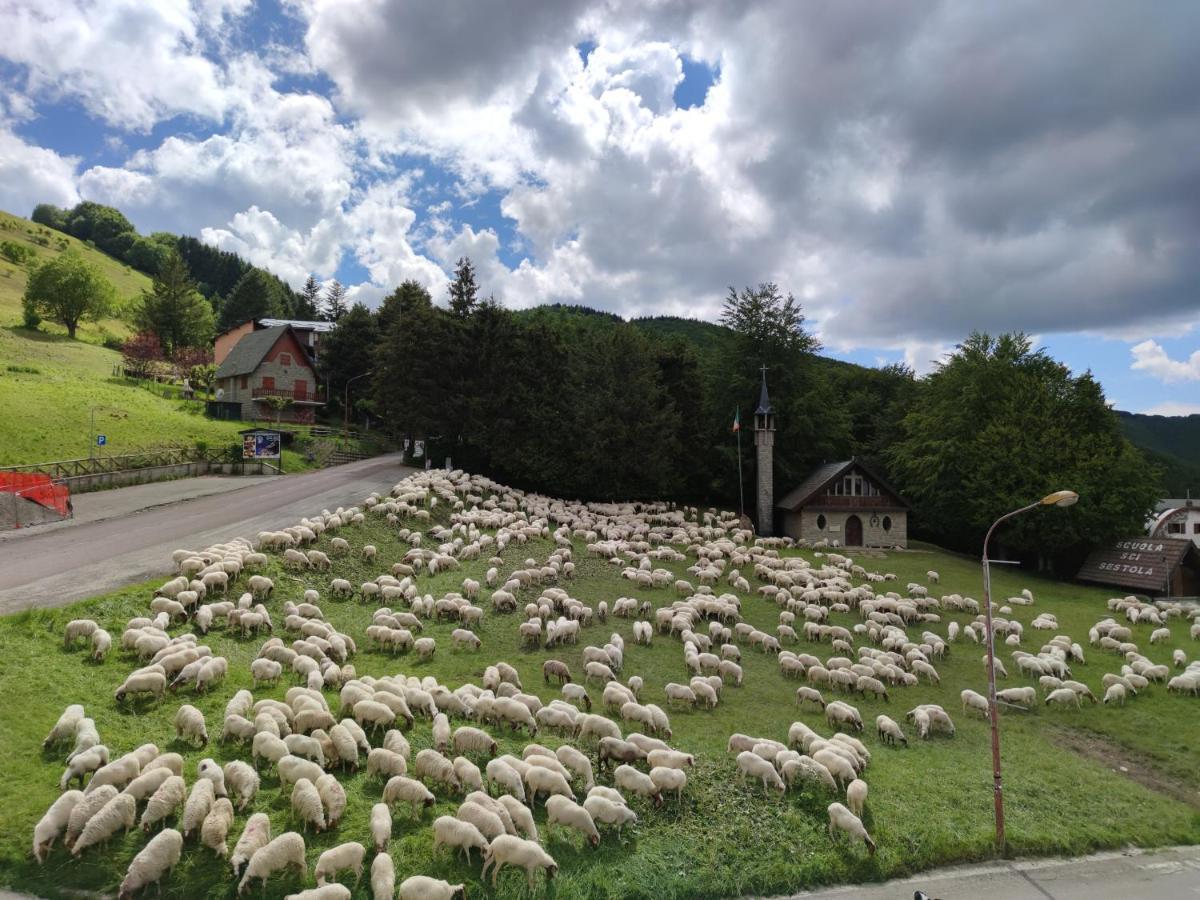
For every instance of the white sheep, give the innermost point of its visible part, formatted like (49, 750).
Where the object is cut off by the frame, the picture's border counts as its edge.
(540, 780)
(514, 851)
(118, 813)
(76, 629)
(841, 818)
(856, 796)
(81, 764)
(456, 833)
(578, 763)
(164, 801)
(331, 891)
(520, 814)
(84, 810)
(1115, 693)
(408, 790)
(422, 887)
(283, 852)
(381, 826)
(189, 724)
(750, 763)
(889, 731)
(1063, 697)
(627, 778)
(349, 855)
(154, 861)
(66, 726)
(976, 701)
(383, 877)
(197, 806)
(563, 811)
(53, 823)
(668, 778)
(609, 812)
(256, 835)
(215, 829)
(293, 768)
(306, 803)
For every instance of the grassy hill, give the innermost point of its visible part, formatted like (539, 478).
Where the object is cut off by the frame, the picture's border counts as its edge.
(1075, 779)
(49, 383)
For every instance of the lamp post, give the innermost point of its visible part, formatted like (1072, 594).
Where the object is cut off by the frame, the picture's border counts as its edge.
(346, 399)
(1058, 498)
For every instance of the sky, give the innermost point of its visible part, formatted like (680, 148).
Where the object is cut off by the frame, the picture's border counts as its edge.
(910, 171)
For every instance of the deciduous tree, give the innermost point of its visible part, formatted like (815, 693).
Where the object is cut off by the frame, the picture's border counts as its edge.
(69, 290)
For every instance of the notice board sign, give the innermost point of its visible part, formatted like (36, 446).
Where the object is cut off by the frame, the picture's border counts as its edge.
(1142, 564)
(260, 445)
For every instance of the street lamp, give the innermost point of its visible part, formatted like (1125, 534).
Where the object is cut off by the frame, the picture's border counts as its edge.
(346, 399)
(1058, 498)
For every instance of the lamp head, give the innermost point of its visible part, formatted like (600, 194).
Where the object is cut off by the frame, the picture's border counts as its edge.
(1060, 498)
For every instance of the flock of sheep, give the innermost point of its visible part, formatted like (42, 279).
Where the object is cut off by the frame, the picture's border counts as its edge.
(332, 719)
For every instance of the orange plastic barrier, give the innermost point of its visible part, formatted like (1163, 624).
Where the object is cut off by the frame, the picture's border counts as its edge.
(39, 488)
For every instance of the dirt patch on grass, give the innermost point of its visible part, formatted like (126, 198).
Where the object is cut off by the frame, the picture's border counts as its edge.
(1127, 764)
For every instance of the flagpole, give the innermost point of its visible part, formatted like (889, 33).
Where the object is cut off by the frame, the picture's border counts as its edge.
(741, 481)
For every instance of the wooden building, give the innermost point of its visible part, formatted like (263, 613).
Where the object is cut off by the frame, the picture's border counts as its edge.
(848, 503)
(1156, 566)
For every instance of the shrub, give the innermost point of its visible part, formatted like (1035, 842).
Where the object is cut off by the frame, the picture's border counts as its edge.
(16, 253)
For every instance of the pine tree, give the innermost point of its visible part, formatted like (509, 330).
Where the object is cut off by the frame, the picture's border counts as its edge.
(173, 308)
(463, 289)
(335, 301)
(308, 305)
(255, 296)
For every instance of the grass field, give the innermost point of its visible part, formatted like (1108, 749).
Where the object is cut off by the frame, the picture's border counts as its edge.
(49, 383)
(929, 804)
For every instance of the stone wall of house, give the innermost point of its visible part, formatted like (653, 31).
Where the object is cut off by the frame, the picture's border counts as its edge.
(804, 525)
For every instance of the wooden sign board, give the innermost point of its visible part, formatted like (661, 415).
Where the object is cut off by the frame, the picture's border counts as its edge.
(1144, 564)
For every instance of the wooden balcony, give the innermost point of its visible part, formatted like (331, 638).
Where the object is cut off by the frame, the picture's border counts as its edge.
(296, 395)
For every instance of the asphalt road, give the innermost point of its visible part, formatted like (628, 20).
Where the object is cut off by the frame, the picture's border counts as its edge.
(1169, 874)
(96, 554)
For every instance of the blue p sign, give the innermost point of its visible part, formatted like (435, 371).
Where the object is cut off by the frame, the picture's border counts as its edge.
(101, 440)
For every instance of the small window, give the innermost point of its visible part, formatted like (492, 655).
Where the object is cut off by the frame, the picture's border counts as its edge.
(268, 382)
(1196, 528)
(887, 523)
(245, 381)
(285, 359)
(1174, 528)
(821, 522)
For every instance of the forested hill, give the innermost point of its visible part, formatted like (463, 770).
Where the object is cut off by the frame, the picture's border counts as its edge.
(1173, 442)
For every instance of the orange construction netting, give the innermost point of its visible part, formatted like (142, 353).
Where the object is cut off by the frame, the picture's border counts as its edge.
(38, 488)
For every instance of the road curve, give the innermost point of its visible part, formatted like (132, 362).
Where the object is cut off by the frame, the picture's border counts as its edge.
(76, 561)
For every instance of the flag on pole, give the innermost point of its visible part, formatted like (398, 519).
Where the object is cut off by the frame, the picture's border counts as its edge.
(737, 420)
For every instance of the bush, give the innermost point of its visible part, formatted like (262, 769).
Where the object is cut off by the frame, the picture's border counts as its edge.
(29, 316)
(16, 253)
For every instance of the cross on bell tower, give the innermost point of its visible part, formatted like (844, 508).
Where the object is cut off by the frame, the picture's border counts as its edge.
(764, 447)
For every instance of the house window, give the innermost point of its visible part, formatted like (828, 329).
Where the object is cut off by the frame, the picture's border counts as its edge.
(245, 382)
(887, 523)
(285, 359)
(268, 383)
(1174, 528)
(821, 522)
(1196, 528)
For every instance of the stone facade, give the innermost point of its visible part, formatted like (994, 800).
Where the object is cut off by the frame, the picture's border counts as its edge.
(764, 451)
(806, 524)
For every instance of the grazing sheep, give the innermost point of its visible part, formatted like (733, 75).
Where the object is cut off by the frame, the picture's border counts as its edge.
(841, 818)
(514, 851)
(563, 811)
(340, 858)
(241, 781)
(333, 799)
(255, 835)
(381, 761)
(306, 804)
(283, 852)
(539, 780)
(156, 859)
(383, 877)
(53, 823)
(189, 724)
(473, 740)
(117, 814)
(627, 778)
(667, 778)
(83, 811)
(1115, 693)
(456, 833)
(164, 801)
(1063, 697)
(83, 763)
(889, 732)
(577, 762)
(292, 768)
(215, 829)
(973, 700)
(750, 763)
(520, 814)
(64, 729)
(381, 826)
(401, 788)
(332, 891)
(197, 806)
(609, 812)
(422, 887)
(856, 796)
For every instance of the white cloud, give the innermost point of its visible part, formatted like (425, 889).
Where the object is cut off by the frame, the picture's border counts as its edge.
(129, 62)
(1172, 408)
(1150, 357)
(257, 235)
(30, 175)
